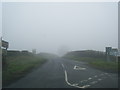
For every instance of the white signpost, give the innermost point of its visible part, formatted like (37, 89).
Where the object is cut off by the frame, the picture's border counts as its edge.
(5, 44)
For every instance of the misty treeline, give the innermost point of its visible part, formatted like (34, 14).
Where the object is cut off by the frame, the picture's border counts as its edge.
(89, 53)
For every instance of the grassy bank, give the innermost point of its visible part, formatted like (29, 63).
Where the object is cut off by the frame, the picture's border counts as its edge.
(99, 63)
(106, 66)
(84, 59)
(18, 66)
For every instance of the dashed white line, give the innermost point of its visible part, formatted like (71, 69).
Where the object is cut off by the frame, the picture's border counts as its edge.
(89, 78)
(85, 86)
(62, 65)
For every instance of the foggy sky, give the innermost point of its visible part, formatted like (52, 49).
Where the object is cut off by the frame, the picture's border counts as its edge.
(49, 26)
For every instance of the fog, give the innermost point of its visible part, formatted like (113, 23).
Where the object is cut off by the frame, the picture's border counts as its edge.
(60, 27)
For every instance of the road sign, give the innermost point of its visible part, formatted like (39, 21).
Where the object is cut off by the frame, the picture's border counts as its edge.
(5, 44)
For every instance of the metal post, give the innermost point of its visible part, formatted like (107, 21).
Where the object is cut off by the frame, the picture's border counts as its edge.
(108, 50)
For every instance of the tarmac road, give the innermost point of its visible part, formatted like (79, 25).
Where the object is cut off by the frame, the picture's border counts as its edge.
(63, 73)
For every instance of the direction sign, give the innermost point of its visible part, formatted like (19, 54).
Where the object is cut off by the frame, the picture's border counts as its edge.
(5, 44)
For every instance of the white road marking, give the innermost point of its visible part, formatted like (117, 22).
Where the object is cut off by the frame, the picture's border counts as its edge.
(86, 80)
(93, 82)
(85, 86)
(78, 68)
(75, 85)
(89, 78)
(62, 65)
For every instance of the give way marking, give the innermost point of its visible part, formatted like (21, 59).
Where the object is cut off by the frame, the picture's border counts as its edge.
(78, 68)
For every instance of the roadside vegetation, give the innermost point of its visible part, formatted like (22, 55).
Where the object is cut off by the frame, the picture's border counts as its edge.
(95, 59)
(19, 65)
(107, 66)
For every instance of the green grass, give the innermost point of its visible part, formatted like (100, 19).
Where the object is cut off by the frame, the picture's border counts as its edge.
(110, 66)
(85, 59)
(19, 66)
(98, 63)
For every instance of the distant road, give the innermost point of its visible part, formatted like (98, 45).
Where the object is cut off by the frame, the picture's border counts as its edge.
(64, 73)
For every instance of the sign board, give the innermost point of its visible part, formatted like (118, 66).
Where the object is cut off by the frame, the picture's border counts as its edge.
(108, 50)
(5, 44)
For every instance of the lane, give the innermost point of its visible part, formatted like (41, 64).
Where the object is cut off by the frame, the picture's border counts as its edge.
(50, 75)
(64, 73)
(85, 76)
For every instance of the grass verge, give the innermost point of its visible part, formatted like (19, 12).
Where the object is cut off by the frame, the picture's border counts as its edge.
(18, 66)
(98, 63)
(106, 66)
